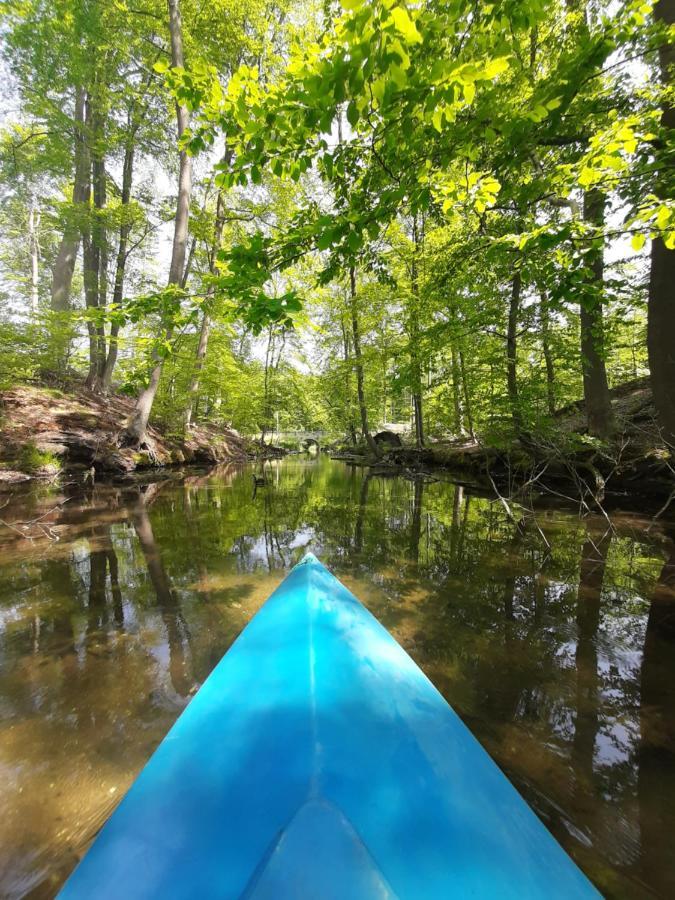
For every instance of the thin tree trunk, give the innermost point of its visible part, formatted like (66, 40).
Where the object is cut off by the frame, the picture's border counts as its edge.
(138, 421)
(512, 354)
(548, 358)
(467, 398)
(193, 393)
(90, 263)
(348, 380)
(266, 413)
(100, 237)
(661, 307)
(596, 389)
(95, 248)
(459, 427)
(120, 266)
(358, 361)
(414, 343)
(64, 264)
(34, 249)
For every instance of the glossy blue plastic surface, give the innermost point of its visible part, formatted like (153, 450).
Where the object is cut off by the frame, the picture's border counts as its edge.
(318, 761)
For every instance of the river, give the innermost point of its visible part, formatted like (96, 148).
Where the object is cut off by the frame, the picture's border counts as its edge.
(555, 644)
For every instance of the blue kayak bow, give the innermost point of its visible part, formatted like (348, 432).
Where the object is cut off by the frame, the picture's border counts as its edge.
(318, 761)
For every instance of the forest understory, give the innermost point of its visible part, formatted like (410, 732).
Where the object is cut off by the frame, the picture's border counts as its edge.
(47, 434)
(633, 469)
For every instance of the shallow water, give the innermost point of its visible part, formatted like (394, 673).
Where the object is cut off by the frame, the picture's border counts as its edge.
(560, 658)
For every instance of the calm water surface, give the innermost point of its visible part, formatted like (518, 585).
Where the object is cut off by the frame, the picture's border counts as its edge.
(560, 660)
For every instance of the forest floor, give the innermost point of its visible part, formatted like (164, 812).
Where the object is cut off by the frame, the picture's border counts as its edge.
(635, 466)
(45, 431)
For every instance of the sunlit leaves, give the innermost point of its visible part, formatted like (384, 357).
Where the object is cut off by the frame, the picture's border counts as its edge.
(404, 25)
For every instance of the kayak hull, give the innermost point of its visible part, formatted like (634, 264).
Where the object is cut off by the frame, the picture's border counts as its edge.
(317, 760)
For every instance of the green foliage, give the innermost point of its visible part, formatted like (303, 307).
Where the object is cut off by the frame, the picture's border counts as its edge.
(433, 150)
(34, 461)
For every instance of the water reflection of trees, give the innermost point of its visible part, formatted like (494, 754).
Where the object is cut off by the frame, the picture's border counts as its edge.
(177, 632)
(560, 659)
(656, 757)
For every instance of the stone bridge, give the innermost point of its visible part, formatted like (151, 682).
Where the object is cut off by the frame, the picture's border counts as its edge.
(306, 439)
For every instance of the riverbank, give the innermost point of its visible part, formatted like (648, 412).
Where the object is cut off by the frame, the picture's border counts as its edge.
(44, 432)
(635, 467)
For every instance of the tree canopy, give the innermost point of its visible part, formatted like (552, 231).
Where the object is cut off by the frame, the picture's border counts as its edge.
(342, 215)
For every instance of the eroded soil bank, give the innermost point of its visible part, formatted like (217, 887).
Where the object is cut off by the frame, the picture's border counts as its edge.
(45, 431)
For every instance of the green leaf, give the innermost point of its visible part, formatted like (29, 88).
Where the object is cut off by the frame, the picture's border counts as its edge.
(352, 114)
(405, 25)
(638, 241)
(663, 217)
(495, 67)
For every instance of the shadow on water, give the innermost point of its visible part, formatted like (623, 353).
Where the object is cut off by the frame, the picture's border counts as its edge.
(560, 659)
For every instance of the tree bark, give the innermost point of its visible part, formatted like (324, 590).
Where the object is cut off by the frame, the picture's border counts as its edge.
(548, 358)
(34, 249)
(660, 306)
(348, 380)
(358, 364)
(457, 407)
(138, 421)
(95, 246)
(193, 393)
(414, 343)
(596, 388)
(121, 262)
(467, 397)
(512, 354)
(64, 264)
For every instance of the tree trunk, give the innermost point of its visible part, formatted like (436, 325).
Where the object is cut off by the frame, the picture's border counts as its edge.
(419, 420)
(661, 307)
(414, 344)
(95, 248)
(348, 380)
(512, 354)
(596, 389)
(34, 249)
(120, 265)
(358, 363)
(456, 404)
(193, 393)
(138, 421)
(467, 398)
(548, 358)
(64, 264)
